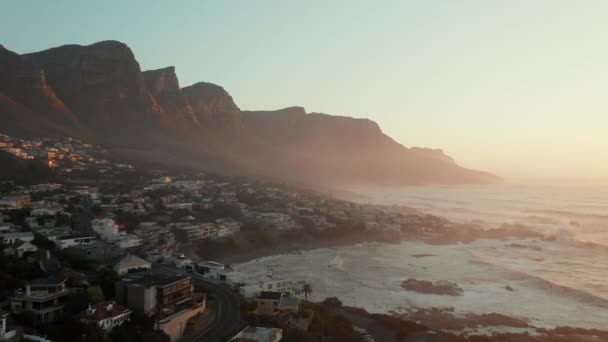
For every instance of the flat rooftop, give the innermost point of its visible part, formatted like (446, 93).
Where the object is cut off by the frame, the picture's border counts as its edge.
(153, 279)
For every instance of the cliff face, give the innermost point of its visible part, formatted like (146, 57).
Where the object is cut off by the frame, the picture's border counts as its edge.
(213, 106)
(24, 88)
(101, 82)
(99, 92)
(168, 98)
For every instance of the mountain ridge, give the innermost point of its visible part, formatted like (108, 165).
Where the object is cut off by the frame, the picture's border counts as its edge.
(99, 92)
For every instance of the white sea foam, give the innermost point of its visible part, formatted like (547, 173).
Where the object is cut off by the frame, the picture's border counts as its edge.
(370, 275)
(563, 282)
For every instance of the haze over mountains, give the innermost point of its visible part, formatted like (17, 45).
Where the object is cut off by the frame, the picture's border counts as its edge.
(99, 93)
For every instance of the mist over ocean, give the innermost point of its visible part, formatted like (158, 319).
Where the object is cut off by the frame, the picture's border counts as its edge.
(559, 281)
(570, 211)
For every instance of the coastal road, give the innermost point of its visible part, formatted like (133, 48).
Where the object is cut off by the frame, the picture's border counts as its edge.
(227, 320)
(225, 301)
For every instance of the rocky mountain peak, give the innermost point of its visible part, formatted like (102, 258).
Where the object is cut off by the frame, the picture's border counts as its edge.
(206, 96)
(99, 92)
(161, 80)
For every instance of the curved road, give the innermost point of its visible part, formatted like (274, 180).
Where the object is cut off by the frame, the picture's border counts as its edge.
(226, 302)
(227, 321)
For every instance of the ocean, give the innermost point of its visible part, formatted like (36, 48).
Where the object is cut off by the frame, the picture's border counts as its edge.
(549, 283)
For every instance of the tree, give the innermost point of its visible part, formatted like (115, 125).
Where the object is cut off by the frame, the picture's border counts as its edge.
(42, 242)
(105, 279)
(95, 294)
(306, 289)
(181, 235)
(129, 220)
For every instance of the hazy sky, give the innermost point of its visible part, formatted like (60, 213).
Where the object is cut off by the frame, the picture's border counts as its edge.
(519, 88)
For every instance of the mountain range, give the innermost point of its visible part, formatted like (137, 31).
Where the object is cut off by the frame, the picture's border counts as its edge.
(99, 93)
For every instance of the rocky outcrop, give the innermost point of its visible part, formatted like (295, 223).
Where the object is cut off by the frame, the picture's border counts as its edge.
(24, 88)
(163, 85)
(103, 84)
(443, 288)
(213, 106)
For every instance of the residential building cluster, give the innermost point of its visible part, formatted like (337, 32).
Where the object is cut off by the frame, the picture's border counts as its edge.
(159, 218)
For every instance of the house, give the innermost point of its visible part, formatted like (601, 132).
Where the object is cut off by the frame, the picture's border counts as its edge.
(371, 225)
(211, 269)
(320, 222)
(20, 248)
(258, 334)
(106, 315)
(11, 238)
(131, 262)
(278, 221)
(198, 231)
(43, 298)
(187, 184)
(99, 251)
(227, 227)
(63, 242)
(392, 227)
(32, 221)
(15, 201)
(226, 197)
(146, 291)
(184, 206)
(250, 287)
(176, 323)
(275, 302)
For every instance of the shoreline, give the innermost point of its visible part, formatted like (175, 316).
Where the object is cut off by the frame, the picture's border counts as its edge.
(244, 246)
(241, 258)
(465, 323)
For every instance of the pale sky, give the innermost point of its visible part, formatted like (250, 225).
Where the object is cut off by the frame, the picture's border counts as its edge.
(517, 87)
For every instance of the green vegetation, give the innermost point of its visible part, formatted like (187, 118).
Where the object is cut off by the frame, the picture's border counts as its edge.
(42, 242)
(306, 290)
(129, 220)
(76, 262)
(95, 294)
(327, 324)
(25, 171)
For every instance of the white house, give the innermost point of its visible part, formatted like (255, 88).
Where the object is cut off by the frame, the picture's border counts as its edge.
(277, 221)
(11, 238)
(210, 269)
(106, 315)
(250, 285)
(24, 247)
(64, 242)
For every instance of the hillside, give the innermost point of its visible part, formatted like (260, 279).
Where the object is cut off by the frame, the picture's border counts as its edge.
(99, 93)
(25, 171)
